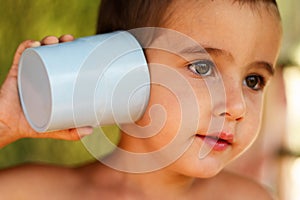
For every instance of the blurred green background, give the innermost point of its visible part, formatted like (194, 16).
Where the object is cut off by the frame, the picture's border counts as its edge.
(35, 19)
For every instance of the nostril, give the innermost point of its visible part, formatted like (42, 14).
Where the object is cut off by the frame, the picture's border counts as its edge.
(232, 116)
(239, 119)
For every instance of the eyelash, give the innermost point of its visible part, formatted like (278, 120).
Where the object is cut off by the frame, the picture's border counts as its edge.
(198, 65)
(261, 82)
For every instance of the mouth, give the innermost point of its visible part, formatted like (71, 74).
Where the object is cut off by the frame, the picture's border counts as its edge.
(217, 142)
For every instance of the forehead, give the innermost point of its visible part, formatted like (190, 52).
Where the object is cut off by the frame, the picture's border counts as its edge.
(241, 30)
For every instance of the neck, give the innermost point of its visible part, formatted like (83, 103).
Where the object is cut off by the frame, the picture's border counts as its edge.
(160, 183)
(151, 175)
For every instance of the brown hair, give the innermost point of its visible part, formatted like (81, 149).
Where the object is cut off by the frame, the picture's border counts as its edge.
(129, 14)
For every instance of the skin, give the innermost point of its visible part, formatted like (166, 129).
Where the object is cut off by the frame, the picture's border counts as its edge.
(238, 50)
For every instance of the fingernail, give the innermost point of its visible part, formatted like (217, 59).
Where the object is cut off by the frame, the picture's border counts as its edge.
(35, 44)
(85, 131)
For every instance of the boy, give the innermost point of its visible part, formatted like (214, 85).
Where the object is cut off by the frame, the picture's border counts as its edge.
(224, 87)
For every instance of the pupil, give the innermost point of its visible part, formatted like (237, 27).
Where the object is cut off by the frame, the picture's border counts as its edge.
(252, 81)
(202, 68)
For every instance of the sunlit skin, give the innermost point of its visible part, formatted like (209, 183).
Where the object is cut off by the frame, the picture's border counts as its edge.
(243, 45)
(239, 50)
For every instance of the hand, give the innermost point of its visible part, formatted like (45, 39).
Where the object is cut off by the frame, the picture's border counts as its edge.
(13, 124)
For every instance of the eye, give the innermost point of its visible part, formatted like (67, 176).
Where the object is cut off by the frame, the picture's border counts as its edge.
(202, 67)
(255, 82)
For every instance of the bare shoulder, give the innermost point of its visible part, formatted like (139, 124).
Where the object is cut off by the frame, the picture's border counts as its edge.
(230, 186)
(28, 179)
(239, 187)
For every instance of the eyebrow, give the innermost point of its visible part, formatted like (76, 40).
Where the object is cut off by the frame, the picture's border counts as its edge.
(215, 51)
(193, 49)
(267, 66)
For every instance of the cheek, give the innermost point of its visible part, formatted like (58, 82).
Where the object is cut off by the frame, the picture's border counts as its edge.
(163, 106)
(250, 126)
(254, 108)
(162, 117)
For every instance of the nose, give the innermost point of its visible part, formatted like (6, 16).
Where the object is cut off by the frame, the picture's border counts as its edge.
(229, 102)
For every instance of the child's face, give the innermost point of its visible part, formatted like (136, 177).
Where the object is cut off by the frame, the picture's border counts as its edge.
(243, 44)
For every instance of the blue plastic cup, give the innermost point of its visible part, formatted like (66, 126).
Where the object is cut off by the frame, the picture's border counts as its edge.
(91, 81)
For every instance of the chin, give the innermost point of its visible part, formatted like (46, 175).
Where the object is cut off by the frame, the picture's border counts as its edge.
(205, 168)
(201, 174)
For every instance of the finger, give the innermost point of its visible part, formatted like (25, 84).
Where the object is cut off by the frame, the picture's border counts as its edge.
(49, 40)
(70, 134)
(24, 45)
(66, 38)
(85, 131)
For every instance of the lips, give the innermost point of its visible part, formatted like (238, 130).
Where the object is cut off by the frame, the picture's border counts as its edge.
(218, 141)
